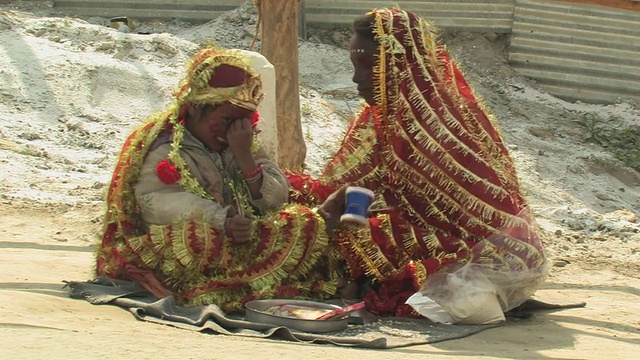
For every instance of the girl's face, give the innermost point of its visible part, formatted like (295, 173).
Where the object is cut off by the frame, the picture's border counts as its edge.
(210, 124)
(363, 56)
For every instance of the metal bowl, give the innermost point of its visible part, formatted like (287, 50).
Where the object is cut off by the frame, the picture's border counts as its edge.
(256, 312)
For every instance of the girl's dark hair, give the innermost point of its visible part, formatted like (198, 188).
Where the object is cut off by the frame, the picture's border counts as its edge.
(363, 26)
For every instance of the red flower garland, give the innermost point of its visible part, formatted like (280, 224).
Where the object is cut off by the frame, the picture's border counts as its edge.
(167, 172)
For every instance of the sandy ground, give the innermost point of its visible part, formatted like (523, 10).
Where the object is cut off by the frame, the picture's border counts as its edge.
(70, 89)
(42, 245)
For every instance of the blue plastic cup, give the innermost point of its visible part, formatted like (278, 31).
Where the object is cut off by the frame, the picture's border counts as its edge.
(358, 200)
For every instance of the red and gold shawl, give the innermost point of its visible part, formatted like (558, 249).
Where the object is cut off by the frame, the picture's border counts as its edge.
(431, 151)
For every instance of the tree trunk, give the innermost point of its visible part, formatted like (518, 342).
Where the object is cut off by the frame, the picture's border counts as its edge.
(280, 47)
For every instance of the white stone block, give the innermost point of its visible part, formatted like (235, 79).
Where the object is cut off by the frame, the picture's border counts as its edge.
(268, 125)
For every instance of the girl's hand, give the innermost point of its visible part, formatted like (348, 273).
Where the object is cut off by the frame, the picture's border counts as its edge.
(240, 137)
(239, 228)
(333, 208)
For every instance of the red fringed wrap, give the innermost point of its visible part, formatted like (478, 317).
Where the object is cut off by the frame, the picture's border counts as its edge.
(430, 150)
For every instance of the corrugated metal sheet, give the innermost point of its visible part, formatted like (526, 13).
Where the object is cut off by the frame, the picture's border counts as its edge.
(196, 11)
(470, 15)
(578, 52)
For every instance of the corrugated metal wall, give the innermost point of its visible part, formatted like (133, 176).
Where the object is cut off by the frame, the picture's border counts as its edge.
(197, 11)
(471, 15)
(575, 51)
(578, 52)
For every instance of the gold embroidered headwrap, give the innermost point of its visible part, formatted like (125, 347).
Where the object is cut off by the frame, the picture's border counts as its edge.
(215, 76)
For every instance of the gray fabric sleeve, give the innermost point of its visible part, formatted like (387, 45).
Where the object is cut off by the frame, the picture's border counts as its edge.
(274, 189)
(162, 204)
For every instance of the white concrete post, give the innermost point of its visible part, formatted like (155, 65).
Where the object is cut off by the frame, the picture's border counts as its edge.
(268, 124)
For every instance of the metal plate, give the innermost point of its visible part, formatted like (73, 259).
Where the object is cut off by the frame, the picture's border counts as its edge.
(256, 313)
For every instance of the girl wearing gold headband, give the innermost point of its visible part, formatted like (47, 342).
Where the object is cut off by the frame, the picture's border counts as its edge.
(196, 210)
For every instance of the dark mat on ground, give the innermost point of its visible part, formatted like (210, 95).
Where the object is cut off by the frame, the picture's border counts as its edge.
(384, 333)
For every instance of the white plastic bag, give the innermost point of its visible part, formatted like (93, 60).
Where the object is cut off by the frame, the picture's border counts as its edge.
(461, 297)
